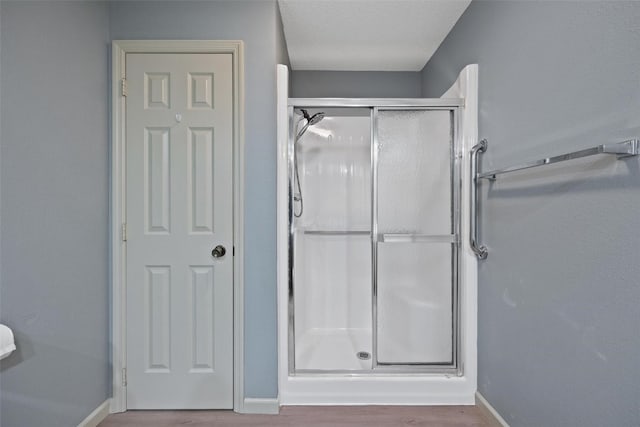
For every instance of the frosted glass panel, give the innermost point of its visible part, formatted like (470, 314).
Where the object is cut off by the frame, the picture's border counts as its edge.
(414, 172)
(415, 303)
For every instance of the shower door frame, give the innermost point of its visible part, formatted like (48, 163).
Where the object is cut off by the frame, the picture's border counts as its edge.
(453, 105)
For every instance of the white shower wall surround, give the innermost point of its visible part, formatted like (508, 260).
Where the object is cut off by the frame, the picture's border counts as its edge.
(377, 300)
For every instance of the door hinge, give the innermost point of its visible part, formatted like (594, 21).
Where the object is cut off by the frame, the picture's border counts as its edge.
(123, 87)
(124, 231)
(124, 377)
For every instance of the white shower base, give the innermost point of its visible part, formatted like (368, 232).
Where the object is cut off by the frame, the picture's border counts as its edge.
(336, 349)
(333, 349)
(372, 389)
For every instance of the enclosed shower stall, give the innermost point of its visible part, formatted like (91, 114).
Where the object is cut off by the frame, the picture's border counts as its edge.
(374, 302)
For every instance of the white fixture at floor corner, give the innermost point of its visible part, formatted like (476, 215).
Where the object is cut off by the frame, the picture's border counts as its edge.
(7, 342)
(374, 388)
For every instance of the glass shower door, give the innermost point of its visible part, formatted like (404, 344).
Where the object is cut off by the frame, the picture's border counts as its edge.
(331, 238)
(415, 229)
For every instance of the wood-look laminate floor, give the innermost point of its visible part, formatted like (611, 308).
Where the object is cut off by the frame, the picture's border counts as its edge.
(310, 416)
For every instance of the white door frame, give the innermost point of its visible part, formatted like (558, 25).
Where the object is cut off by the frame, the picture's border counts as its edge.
(118, 202)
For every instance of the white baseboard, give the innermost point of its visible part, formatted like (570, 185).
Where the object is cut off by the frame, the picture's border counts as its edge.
(490, 411)
(97, 416)
(260, 406)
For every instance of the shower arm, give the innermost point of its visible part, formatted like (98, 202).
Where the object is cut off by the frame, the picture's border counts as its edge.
(480, 250)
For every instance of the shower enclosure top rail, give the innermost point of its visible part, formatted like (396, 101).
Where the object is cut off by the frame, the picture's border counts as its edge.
(376, 102)
(621, 149)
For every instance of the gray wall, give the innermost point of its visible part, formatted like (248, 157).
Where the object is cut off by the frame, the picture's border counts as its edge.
(54, 198)
(355, 84)
(55, 191)
(255, 23)
(559, 294)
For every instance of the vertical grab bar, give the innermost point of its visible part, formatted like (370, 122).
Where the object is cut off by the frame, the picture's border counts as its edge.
(480, 251)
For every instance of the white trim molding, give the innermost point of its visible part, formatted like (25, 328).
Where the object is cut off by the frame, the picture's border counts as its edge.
(282, 248)
(117, 209)
(261, 406)
(97, 416)
(489, 411)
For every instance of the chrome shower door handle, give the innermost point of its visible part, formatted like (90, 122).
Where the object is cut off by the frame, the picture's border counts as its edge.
(480, 250)
(218, 251)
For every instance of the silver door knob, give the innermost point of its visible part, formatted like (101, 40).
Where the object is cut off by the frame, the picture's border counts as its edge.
(218, 251)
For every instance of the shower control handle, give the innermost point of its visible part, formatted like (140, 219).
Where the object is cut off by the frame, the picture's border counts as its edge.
(218, 251)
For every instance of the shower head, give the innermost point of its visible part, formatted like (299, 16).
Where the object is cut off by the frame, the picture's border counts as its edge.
(311, 120)
(316, 118)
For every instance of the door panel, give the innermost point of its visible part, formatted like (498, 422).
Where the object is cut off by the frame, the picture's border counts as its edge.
(414, 172)
(414, 303)
(179, 207)
(415, 242)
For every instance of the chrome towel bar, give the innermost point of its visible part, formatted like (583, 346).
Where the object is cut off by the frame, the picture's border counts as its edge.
(621, 150)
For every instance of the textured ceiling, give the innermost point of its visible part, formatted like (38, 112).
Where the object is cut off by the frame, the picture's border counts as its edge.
(373, 35)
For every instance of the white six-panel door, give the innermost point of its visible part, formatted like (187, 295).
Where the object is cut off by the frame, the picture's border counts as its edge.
(179, 207)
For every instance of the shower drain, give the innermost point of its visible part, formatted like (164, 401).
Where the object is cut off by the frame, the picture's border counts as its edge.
(363, 355)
